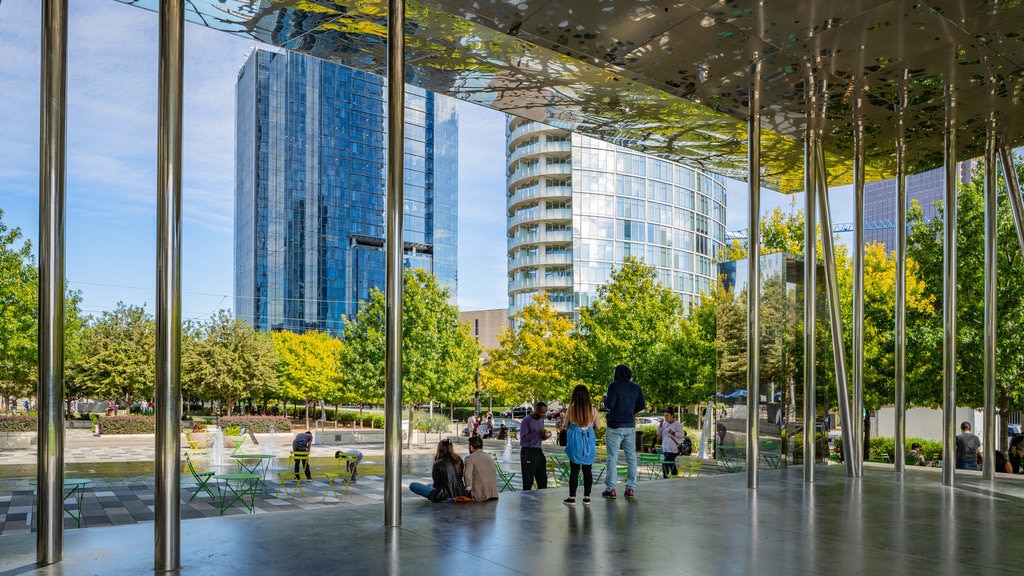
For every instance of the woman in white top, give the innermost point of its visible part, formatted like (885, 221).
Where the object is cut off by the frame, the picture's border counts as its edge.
(670, 434)
(581, 442)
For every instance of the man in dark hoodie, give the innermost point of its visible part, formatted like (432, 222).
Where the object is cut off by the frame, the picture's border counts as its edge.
(623, 400)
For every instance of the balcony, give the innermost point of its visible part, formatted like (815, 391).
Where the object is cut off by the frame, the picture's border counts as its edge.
(560, 148)
(542, 215)
(531, 129)
(545, 237)
(535, 260)
(560, 282)
(537, 191)
(538, 170)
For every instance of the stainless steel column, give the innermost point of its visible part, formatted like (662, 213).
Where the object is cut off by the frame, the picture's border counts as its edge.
(900, 432)
(810, 290)
(988, 467)
(856, 426)
(393, 278)
(754, 282)
(50, 394)
(1013, 191)
(949, 234)
(832, 290)
(167, 396)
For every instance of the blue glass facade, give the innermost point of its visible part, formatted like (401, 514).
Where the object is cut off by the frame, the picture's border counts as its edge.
(310, 190)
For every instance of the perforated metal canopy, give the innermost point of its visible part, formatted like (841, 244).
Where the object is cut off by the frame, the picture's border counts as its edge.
(672, 78)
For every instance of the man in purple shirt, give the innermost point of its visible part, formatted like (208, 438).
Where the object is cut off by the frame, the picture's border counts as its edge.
(531, 456)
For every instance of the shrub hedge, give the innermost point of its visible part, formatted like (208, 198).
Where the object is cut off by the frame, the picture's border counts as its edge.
(111, 425)
(17, 423)
(258, 424)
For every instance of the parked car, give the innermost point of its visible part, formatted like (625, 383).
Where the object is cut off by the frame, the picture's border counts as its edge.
(554, 413)
(1011, 431)
(647, 421)
(518, 412)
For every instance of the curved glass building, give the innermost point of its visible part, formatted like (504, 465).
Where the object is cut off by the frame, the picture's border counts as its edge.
(577, 206)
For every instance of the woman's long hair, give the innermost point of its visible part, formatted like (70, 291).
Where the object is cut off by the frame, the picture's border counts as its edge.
(581, 409)
(445, 449)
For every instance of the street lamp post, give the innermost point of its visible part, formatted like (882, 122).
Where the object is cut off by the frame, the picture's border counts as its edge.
(477, 395)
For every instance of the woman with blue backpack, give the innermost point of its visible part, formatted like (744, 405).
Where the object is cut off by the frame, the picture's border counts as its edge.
(581, 442)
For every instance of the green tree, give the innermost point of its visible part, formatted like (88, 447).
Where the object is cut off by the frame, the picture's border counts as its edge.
(631, 316)
(686, 358)
(308, 365)
(531, 360)
(228, 360)
(925, 247)
(18, 309)
(119, 354)
(439, 356)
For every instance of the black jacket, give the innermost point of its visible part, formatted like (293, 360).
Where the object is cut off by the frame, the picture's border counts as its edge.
(447, 476)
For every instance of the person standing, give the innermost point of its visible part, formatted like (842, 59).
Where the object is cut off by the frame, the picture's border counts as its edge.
(531, 456)
(623, 401)
(481, 475)
(302, 443)
(472, 423)
(967, 445)
(581, 442)
(670, 434)
(562, 427)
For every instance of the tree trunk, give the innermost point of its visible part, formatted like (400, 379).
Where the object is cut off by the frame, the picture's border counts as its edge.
(867, 434)
(408, 440)
(360, 415)
(307, 413)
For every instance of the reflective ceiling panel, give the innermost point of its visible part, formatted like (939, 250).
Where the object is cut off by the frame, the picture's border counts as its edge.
(672, 77)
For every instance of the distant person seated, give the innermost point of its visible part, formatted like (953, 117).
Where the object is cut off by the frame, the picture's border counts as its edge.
(351, 466)
(481, 476)
(503, 432)
(446, 475)
(1016, 452)
(916, 456)
(1002, 464)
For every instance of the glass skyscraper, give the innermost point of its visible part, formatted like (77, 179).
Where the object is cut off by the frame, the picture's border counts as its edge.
(578, 206)
(310, 164)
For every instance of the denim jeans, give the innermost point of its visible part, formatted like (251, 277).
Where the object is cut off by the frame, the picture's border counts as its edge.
(613, 438)
(967, 465)
(421, 489)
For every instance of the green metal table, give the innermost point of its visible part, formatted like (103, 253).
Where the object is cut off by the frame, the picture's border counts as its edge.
(73, 487)
(235, 487)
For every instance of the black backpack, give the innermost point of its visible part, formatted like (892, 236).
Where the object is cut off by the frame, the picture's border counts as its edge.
(686, 446)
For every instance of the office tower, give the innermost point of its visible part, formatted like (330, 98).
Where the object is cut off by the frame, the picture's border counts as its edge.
(880, 201)
(310, 190)
(579, 206)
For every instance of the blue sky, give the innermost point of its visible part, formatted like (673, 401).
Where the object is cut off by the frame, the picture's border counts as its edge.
(111, 161)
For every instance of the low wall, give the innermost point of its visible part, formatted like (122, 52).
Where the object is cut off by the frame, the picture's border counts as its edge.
(12, 440)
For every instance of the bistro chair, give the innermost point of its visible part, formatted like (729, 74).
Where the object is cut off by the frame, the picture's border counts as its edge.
(202, 478)
(506, 477)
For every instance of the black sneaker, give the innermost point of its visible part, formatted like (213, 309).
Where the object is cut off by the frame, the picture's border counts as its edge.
(569, 501)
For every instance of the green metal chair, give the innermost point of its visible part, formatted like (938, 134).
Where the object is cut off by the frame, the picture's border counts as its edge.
(202, 478)
(506, 477)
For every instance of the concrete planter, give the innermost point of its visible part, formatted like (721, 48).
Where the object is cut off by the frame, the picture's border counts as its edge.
(12, 440)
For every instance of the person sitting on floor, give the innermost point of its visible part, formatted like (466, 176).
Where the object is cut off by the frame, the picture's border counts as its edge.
(446, 475)
(481, 476)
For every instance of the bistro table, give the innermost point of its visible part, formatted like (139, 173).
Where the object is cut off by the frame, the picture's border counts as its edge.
(255, 464)
(73, 487)
(235, 487)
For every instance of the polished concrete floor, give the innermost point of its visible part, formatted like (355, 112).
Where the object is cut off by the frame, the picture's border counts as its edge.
(880, 524)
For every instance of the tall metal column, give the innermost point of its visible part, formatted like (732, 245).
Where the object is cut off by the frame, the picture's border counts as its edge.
(810, 289)
(856, 425)
(949, 234)
(1013, 191)
(754, 282)
(900, 432)
(167, 396)
(393, 278)
(832, 290)
(50, 394)
(988, 440)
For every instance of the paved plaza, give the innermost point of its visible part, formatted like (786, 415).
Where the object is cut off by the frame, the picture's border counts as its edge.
(881, 524)
(121, 490)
